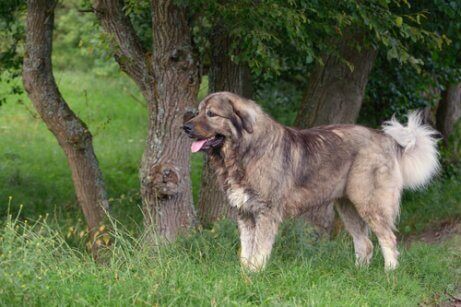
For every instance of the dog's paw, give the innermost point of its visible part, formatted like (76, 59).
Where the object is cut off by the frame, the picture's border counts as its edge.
(253, 265)
(363, 261)
(390, 266)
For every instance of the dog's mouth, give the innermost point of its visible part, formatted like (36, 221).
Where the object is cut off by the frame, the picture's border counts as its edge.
(205, 144)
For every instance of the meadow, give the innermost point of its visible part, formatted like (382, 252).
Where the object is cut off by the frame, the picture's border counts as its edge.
(42, 252)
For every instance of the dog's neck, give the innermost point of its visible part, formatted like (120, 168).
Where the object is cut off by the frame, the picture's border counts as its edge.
(231, 160)
(266, 132)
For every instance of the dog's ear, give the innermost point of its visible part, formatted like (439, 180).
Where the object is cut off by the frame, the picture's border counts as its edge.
(247, 121)
(244, 113)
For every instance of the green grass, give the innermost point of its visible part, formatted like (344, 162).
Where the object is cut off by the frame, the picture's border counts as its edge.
(40, 268)
(46, 263)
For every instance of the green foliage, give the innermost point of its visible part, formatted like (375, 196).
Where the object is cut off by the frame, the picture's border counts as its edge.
(83, 47)
(444, 18)
(11, 33)
(394, 88)
(11, 44)
(141, 17)
(275, 36)
(280, 100)
(281, 40)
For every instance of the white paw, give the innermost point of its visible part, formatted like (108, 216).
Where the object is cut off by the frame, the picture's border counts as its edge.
(254, 264)
(363, 261)
(391, 265)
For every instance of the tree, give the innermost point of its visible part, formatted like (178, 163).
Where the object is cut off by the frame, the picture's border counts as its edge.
(449, 110)
(447, 64)
(168, 77)
(71, 133)
(336, 87)
(224, 75)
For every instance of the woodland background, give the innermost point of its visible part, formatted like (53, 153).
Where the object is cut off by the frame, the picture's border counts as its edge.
(100, 200)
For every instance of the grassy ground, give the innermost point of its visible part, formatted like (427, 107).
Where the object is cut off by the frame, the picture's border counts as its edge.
(46, 264)
(39, 268)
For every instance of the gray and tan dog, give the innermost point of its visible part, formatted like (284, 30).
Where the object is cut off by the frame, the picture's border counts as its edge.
(270, 172)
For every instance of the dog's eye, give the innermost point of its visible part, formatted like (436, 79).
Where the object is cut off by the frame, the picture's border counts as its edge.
(210, 114)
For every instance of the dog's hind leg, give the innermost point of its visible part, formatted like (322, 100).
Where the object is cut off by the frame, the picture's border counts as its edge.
(358, 229)
(383, 227)
(375, 194)
(266, 228)
(246, 225)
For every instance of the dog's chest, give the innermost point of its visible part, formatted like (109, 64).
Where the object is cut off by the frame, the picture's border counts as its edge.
(237, 197)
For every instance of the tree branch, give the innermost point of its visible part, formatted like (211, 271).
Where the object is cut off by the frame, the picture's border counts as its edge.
(129, 53)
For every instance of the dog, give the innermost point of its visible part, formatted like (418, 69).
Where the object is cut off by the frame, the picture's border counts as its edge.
(270, 172)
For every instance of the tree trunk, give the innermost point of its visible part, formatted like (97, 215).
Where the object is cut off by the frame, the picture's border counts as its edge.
(165, 181)
(225, 75)
(169, 81)
(334, 95)
(449, 110)
(71, 133)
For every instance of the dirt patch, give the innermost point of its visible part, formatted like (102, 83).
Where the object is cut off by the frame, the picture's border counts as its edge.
(436, 233)
(453, 300)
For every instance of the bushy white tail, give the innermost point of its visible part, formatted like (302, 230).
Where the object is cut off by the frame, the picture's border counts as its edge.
(419, 161)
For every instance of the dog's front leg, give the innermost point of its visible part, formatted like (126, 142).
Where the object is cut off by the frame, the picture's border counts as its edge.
(246, 225)
(266, 227)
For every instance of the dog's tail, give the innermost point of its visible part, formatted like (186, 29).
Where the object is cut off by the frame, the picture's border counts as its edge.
(419, 160)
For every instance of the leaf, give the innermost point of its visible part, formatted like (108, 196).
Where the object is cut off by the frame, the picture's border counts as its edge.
(398, 21)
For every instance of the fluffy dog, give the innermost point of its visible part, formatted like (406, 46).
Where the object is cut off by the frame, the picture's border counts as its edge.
(270, 172)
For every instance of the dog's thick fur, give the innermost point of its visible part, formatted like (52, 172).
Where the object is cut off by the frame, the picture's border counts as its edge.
(270, 172)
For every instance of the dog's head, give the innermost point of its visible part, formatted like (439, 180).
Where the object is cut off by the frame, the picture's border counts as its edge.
(221, 117)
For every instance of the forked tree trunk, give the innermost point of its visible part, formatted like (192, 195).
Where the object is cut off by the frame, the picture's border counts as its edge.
(165, 181)
(169, 81)
(449, 110)
(72, 134)
(225, 75)
(334, 95)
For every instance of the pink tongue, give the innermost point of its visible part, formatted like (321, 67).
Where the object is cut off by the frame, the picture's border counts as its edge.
(197, 145)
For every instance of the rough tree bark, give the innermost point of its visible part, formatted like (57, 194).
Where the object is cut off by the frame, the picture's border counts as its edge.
(225, 75)
(334, 95)
(449, 110)
(71, 133)
(169, 80)
(165, 181)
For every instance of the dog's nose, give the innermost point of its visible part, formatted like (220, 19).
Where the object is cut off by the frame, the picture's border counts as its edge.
(187, 127)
